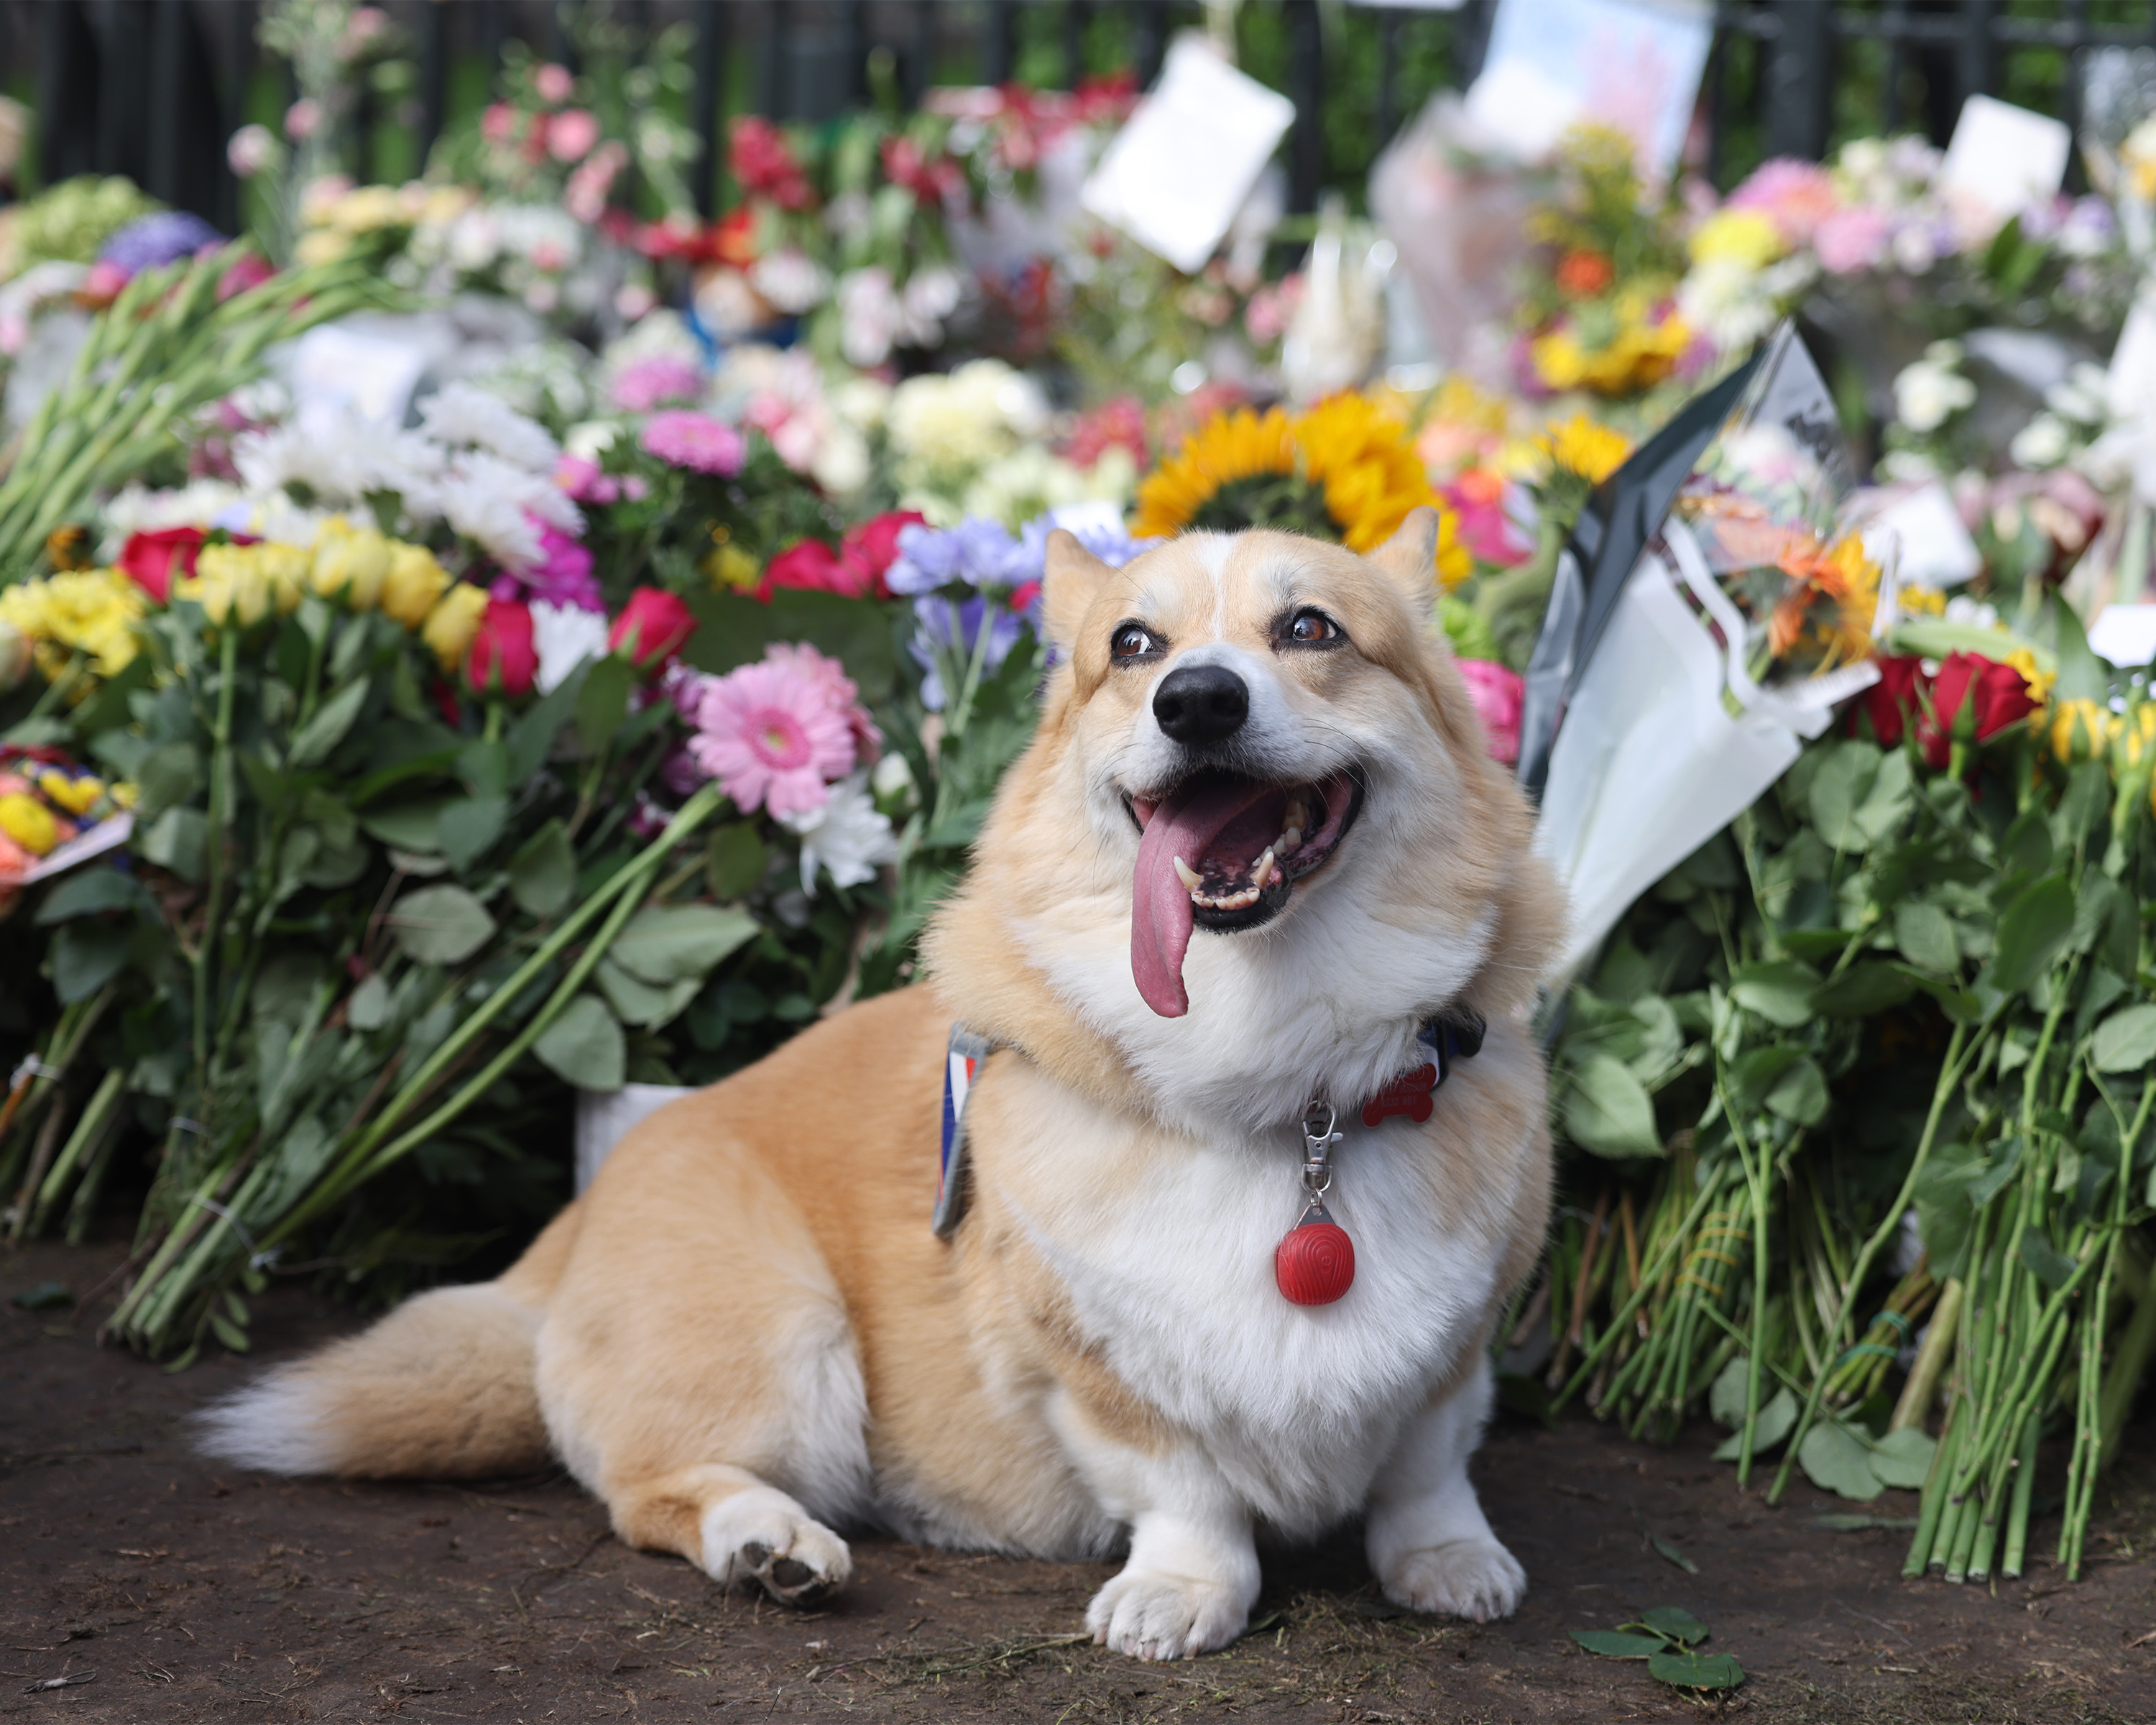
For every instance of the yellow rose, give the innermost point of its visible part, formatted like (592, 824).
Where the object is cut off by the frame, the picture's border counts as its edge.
(325, 245)
(229, 585)
(2131, 739)
(1738, 236)
(415, 581)
(350, 563)
(285, 570)
(2081, 730)
(451, 624)
(29, 823)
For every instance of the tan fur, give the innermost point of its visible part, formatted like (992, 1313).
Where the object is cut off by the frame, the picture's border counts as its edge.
(747, 1313)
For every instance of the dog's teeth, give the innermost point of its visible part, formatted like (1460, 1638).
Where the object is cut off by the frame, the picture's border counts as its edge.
(1291, 838)
(1263, 871)
(1186, 874)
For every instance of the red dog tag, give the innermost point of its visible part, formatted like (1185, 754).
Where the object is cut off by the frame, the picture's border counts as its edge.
(1316, 1263)
(1408, 1094)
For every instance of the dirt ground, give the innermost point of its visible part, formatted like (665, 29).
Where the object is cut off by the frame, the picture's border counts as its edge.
(166, 1588)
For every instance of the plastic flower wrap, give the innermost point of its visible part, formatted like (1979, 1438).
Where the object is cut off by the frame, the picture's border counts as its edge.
(53, 812)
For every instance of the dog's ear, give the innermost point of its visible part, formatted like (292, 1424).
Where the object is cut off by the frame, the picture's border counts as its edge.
(1073, 577)
(1409, 558)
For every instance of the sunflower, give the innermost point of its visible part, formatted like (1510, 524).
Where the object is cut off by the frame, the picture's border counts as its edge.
(1581, 446)
(1835, 594)
(1345, 471)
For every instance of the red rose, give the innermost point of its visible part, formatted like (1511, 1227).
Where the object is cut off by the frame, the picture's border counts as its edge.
(1888, 702)
(874, 544)
(1995, 695)
(503, 659)
(152, 561)
(651, 628)
(248, 271)
(813, 567)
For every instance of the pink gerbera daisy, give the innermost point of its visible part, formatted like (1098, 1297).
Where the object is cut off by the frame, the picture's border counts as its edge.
(774, 737)
(682, 439)
(655, 382)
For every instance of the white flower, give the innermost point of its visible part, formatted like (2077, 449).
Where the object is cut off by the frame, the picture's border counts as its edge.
(847, 836)
(931, 294)
(589, 439)
(861, 403)
(564, 636)
(1928, 394)
(869, 315)
(892, 781)
(2043, 442)
(460, 414)
(790, 279)
(341, 456)
(1974, 613)
(841, 465)
(498, 506)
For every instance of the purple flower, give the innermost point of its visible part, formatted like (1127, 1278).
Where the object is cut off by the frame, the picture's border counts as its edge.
(654, 383)
(153, 240)
(695, 441)
(974, 554)
(945, 635)
(562, 576)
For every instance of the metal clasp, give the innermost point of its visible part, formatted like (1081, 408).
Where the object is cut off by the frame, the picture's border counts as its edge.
(1318, 1138)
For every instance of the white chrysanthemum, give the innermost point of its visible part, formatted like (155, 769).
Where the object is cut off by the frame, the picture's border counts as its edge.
(564, 636)
(869, 315)
(340, 457)
(1928, 394)
(139, 510)
(931, 295)
(848, 836)
(862, 403)
(841, 465)
(2043, 442)
(461, 414)
(791, 280)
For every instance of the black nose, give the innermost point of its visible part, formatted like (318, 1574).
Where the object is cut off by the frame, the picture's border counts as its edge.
(1201, 704)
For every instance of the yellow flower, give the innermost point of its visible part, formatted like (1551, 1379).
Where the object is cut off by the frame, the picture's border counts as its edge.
(284, 572)
(350, 563)
(325, 245)
(731, 569)
(1748, 237)
(1454, 562)
(1581, 446)
(228, 585)
(415, 581)
(88, 611)
(2039, 680)
(1921, 601)
(2081, 730)
(454, 620)
(29, 823)
(2134, 740)
(1371, 473)
(75, 795)
(1226, 448)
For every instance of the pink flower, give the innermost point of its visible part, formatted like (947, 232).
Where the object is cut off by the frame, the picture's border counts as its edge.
(570, 135)
(773, 737)
(695, 441)
(830, 676)
(1852, 239)
(498, 124)
(553, 82)
(1796, 195)
(303, 119)
(653, 382)
(1498, 693)
(586, 481)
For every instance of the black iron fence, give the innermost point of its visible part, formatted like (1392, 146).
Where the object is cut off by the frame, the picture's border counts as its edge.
(153, 88)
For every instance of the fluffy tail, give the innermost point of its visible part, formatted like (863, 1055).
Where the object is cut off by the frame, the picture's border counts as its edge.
(441, 1388)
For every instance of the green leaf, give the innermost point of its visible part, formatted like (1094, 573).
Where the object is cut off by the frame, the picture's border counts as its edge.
(585, 1045)
(408, 826)
(2046, 1262)
(735, 858)
(467, 827)
(440, 925)
(175, 841)
(1607, 1109)
(171, 774)
(1800, 1096)
(368, 1008)
(1862, 990)
(640, 1003)
(1614, 1643)
(603, 701)
(2031, 932)
(1925, 934)
(322, 732)
(88, 891)
(228, 1332)
(1839, 1461)
(336, 864)
(1755, 1072)
(1677, 1624)
(1845, 778)
(2124, 1042)
(1696, 1671)
(1725, 1401)
(665, 944)
(1781, 991)
(543, 872)
(2082, 674)
(531, 739)
(1902, 1458)
(1669, 1553)
(86, 956)
(1777, 1416)
(484, 766)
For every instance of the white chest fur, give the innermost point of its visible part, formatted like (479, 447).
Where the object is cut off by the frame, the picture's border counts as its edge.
(1164, 1244)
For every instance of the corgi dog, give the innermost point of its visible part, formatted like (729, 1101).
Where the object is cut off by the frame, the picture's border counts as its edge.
(1255, 851)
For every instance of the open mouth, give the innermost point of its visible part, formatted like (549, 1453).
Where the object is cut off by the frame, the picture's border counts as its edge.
(1223, 852)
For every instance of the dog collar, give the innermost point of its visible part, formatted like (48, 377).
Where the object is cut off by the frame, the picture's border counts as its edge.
(1447, 1040)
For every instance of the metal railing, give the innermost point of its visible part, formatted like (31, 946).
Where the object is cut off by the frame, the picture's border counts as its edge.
(153, 88)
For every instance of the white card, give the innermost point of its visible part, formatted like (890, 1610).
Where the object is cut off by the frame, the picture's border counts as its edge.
(2006, 157)
(1176, 174)
(1520, 109)
(1634, 64)
(1920, 536)
(2125, 635)
(335, 367)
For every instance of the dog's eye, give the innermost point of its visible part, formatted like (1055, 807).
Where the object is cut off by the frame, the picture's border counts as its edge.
(1312, 626)
(1132, 640)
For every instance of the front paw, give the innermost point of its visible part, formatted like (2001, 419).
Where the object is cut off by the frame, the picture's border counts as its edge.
(1149, 1613)
(1474, 1579)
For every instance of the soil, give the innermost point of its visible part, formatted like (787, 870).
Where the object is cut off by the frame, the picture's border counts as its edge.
(164, 1588)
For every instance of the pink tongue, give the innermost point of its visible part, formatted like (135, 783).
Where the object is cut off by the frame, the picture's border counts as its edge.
(1161, 922)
